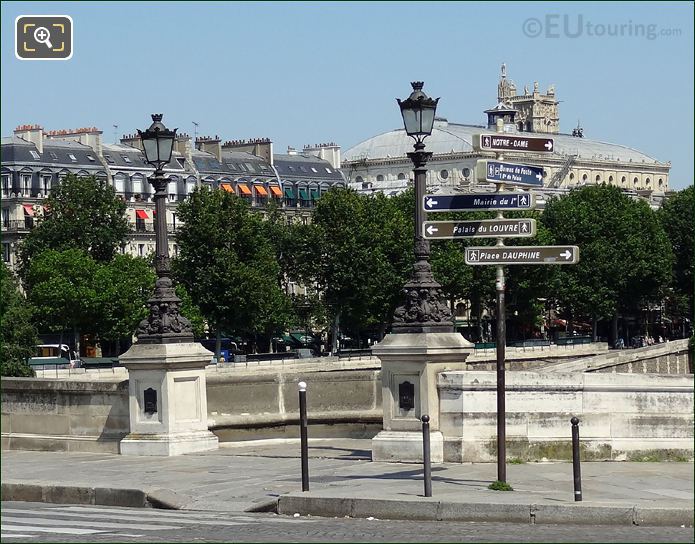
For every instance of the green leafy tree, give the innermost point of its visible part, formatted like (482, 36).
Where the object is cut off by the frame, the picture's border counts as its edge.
(19, 337)
(62, 290)
(677, 217)
(361, 253)
(122, 287)
(625, 256)
(228, 265)
(81, 213)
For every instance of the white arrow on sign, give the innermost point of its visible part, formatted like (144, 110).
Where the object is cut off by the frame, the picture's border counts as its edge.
(566, 254)
(431, 202)
(548, 145)
(431, 229)
(539, 177)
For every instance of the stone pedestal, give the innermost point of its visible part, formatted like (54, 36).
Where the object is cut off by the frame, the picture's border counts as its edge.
(168, 400)
(410, 363)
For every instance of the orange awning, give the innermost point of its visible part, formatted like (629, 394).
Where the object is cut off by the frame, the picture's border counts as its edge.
(244, 189)
(261, 190)
(28, 209)
(141, 214)
(276, 191)
(227, 187)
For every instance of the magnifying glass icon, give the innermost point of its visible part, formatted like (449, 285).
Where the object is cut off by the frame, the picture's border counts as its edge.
(42, 35)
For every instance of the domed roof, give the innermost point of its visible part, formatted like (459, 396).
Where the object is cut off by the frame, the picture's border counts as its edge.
(457, 138)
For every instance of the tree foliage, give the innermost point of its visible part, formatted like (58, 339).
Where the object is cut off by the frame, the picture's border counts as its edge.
(625, 257)
(229, 266)
(19, 337)
(677, 217)
(81, 213)
(362, 254)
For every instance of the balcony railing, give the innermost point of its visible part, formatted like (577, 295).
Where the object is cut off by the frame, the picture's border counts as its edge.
(15, 225)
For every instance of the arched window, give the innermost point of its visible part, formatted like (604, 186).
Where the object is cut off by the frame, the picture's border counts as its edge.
(401, 176)
(623, 181)
(598, 178)
(584, 177)
(648, 183)
(661, 182)
(380, 178)
(444, 174)
(359, 179)
(610, 179)
(136, 181)
(571, 176)
(635, 181)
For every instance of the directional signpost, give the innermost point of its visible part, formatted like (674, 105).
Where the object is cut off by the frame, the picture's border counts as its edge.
(501, 173)
(505, 142)
(478, 202)
(488, 228)
(509, 173)
(507, 255)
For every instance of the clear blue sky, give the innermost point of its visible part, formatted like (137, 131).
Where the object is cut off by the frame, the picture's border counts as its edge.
(304, 73)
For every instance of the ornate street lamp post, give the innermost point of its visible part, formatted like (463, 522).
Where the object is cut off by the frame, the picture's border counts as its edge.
(164, 325)
(424, 309)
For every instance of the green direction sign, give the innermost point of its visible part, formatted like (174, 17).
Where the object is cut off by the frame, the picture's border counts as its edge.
(488, 228)
(506, 255)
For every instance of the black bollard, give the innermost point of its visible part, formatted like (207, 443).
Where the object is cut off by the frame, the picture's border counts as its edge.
(303, 424)
(426, 454)
(575, 460)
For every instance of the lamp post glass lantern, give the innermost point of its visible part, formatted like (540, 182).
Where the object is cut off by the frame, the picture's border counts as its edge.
(424, 308)
(164, 324)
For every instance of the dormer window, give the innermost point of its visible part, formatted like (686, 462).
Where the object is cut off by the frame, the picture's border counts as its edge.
(72, 157)
(126, 158)
(35, 154)
(91, 159)
(329, 171)
(109, 159)
(53, 155)
(314, 170)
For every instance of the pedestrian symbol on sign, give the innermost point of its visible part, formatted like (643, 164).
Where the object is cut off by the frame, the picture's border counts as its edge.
(473, 256)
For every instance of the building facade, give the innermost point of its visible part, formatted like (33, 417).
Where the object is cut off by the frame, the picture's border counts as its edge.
(35, 161)
(380, 163)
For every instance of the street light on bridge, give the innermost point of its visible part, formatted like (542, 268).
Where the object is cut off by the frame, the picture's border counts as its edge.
(164, 325)
(424, 309)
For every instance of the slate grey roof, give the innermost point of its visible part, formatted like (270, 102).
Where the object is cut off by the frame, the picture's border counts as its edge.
(306, 167)
(56, 153)
(457, 138)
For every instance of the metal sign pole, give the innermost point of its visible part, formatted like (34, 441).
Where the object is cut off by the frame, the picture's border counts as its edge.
(500, 344)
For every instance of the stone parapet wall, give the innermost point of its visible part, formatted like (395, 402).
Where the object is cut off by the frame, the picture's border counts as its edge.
(623, 416)
(61, 415)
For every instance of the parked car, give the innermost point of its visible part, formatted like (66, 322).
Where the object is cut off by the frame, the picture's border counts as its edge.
(55, 356)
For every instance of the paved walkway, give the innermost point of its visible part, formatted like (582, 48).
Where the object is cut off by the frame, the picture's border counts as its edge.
(345, 482)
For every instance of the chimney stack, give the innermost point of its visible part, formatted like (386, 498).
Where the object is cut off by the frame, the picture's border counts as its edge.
(31, 133)
(327, 151)
(210, 145)
(260, 147)
(89, 136)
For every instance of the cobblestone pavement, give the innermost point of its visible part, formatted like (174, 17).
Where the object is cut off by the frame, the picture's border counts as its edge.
(39, 522)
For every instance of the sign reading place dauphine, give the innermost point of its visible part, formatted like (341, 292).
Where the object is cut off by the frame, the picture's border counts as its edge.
(478, 202)
(488, 228)
(504, 142)
(506, 255)
(507, 172)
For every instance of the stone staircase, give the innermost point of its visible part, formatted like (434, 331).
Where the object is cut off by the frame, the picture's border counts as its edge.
(637, 358)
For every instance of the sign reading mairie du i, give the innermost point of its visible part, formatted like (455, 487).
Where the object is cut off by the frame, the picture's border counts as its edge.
(505, 142)
(478, 202)
(505, 255)
(488, 228)
(507, 172)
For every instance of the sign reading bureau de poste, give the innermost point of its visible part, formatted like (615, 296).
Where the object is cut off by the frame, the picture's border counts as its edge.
(488, 228)
(478, 202)
(504, 142)
(507, 172)
(506, 255)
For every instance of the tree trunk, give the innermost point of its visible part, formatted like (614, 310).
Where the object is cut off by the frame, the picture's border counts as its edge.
(335, 329)
(218, 344)
(614, 329)
(594, 326)
(76, 334)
